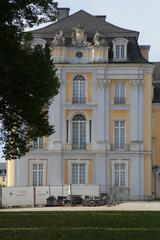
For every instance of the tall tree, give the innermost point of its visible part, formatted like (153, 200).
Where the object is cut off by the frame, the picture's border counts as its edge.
(28, 81)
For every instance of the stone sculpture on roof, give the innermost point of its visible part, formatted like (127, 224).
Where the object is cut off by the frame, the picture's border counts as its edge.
(58, 40)
(99, 39)
(79, 37)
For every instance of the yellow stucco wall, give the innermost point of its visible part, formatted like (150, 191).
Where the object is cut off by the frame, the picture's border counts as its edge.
(10, 166)
(90, 172)
(156, 133)
(112, 89)
(89, 86)
(147, 132)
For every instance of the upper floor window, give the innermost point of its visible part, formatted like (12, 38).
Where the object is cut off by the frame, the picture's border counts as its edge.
(79, 89)
(38, 143)
(79, 132)
(120, 49)
(119, 134)
(119, 97)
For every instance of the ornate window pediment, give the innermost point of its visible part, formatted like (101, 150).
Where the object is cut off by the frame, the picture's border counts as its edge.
(38, 41)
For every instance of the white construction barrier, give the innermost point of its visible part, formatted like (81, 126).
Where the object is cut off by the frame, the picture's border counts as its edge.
(32, 196)
(85, 190)
(17, 196)
(59, 190)
(41, 195)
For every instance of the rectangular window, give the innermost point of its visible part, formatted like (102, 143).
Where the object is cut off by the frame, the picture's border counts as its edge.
(120, 174)
(67, 130)
(37, 173)
(120, 51)
(90, 131)
(78, 173)
(38, 143)
(119, 134)
(119, 93)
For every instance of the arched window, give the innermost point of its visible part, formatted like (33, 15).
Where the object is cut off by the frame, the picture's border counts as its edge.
(78, 132)
(78, 89)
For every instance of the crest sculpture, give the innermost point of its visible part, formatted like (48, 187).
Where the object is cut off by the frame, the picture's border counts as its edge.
(79, 37)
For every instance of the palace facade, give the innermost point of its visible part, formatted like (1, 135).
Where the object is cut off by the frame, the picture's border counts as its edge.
(107, 129)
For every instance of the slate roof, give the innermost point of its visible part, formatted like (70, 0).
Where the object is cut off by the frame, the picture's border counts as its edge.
(156, 83)
(92, 24)
(156, 73)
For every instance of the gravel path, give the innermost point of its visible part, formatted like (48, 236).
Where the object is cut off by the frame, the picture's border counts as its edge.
(128, 206)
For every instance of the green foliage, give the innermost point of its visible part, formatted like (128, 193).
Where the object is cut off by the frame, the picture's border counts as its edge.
(28, 82)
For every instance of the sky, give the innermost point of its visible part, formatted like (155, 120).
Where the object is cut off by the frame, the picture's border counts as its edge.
(140, 15)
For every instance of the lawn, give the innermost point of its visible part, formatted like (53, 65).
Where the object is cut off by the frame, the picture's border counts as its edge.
(80, 225)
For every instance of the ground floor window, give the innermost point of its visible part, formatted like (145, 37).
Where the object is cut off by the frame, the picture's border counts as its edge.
(120, 173)
(78, 173)
(38, 172)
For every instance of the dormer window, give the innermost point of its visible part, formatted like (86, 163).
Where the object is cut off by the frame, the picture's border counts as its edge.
(120, 49)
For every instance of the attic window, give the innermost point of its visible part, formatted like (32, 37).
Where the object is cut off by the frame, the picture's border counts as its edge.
(120, 49)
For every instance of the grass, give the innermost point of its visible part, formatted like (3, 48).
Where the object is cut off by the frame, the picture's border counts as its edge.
(80, 225)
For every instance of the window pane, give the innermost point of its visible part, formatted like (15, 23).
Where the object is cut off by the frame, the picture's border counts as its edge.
(37, 173)
(78, 89)
(79, 132)
(120, 134)
(74, 173)
(117, 137)
(116, 178)
(82, 173)
(120, 174)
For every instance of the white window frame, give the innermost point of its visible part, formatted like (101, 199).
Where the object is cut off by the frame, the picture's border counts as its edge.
(38, 143)
(86, 162)
(113, 164)
(120, 43)
(81, 85)
(79, 131)
(120, 143)
(119, 93)
(31, 164)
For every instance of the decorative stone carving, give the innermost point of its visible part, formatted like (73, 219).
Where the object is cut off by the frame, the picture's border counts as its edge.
(38, 41)
(99, 39)
(58, 40)
(156, 170)
(79, 37)
(103, 83)
(137, 84)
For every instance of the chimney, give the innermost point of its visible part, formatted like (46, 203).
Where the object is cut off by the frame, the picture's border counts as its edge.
(101, 17)
(63, 13)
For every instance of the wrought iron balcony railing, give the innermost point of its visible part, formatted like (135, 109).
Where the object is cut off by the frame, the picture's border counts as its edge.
(80, 146)
(120, 147)
(78, 100)
(119, 100)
